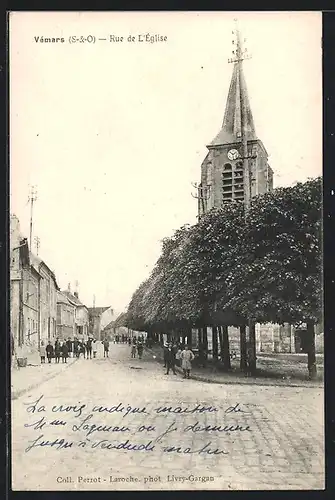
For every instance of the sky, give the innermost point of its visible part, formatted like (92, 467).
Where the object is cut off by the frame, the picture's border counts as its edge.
(112, 134)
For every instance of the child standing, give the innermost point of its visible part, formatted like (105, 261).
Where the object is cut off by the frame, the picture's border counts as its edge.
(187, 357)
(50, 351)
(94, 348)
(140, 349)
(43, 352)
(65, 352)
(58, 351)
(178, 356)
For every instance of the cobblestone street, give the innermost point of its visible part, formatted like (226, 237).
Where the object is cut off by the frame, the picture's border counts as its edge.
(269, 437)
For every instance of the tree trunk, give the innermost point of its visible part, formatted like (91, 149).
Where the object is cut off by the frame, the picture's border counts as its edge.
(310, 343)
(243, 348)
(205, 341)
(220, 342)
(252, 347)
(188, 338)
(199, 337)
(226, 352)
(215, 343)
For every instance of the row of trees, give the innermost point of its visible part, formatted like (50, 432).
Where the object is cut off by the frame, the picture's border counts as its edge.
(239, 268)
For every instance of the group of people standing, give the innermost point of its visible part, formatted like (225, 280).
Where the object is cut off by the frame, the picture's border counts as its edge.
(137, 345)
(69, 348)
(121, 339)
(179, 355)
(56, 351)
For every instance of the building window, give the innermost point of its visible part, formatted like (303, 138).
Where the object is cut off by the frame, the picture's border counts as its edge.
(227, 166)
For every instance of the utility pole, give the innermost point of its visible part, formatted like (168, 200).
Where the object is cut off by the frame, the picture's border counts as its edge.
(37, 244)
(32, 197)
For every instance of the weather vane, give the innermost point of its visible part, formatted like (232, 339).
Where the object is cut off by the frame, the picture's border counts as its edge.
(239, 53)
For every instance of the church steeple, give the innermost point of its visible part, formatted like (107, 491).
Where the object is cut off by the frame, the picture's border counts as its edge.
(236, 167)
(238, 110)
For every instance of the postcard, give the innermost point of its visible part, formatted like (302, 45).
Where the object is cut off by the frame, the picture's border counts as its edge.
(165, 251)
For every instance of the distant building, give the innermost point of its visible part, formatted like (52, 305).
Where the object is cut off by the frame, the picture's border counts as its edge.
(81, 320)
(109, 331)
(31, 280)
(97, 320)
(66, 310)
(48, 300)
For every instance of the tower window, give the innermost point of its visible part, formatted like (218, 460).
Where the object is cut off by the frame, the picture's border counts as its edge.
(227, 166)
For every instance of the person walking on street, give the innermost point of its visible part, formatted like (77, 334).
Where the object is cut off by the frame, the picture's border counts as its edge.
(65, 352)
(178, 356)
(187, 357)
(133, 350)
(89, 348)
(58, 351)
(95, 348)
(140, 349)
(42, 352)
(84, 349)
(69, 347)
(76, 348)
(106, 348)
(50, 351)
(165, 353)
(171, 360)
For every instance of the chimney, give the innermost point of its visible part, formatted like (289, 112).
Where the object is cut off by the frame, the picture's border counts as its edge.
(76, 294)
(69, 287)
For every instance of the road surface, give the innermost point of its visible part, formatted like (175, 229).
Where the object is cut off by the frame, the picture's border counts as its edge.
(118, 423)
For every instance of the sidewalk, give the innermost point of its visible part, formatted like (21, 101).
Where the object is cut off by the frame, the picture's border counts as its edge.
(210, 375)
(25, 379)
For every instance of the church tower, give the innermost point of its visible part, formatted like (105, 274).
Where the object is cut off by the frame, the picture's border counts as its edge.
(236, 166)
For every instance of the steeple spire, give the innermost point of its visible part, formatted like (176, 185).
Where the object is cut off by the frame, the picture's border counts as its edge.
(238, 111)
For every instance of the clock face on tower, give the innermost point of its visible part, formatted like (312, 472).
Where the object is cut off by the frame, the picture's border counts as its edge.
(233, 154)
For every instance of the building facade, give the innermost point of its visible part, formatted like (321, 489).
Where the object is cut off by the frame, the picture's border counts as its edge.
(47, 300)
(81, 320)
(19, 271)
(66, 309)
(30, 304)
(48, 295)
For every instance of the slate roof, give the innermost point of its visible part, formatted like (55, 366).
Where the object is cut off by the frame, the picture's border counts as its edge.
(237, 100)
(37, 263)
(73, 298)
(97, 311)
(62, 298)
(119, 321)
